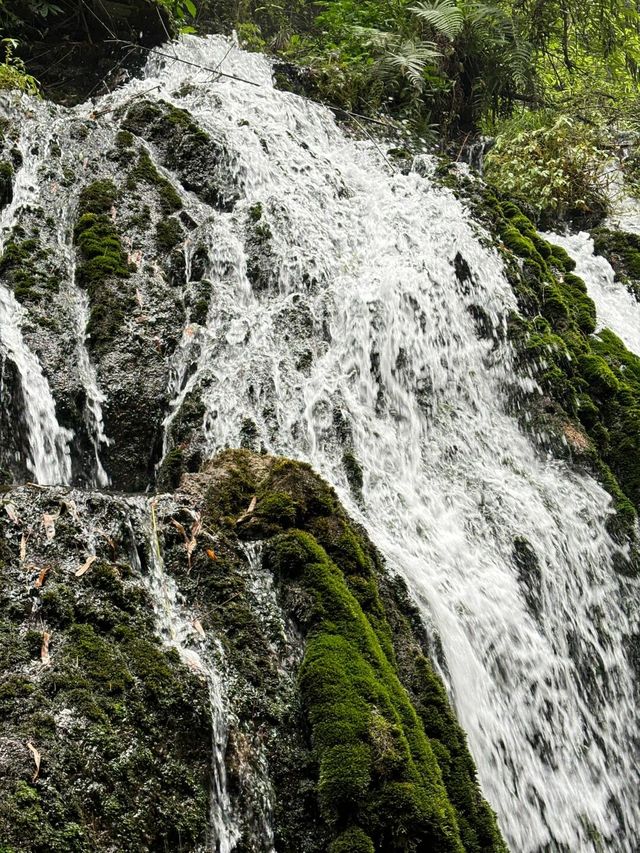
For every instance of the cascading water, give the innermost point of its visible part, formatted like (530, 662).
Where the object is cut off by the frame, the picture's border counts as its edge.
(342, 319)
(49, 454)
(616, 308)
(178, 631)
(364, 332)
(94, 397)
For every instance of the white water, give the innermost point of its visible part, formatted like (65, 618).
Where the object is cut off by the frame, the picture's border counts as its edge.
(364, 283)
(176, 626)
(49, 455)
(616, 308)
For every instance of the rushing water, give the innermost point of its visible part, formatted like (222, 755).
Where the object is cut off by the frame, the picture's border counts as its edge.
(177, 628)
(49, 454)
(616, 308)
(365, 328)
(362, 335)
(50, 457)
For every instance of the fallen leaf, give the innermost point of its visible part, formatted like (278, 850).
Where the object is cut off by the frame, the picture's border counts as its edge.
(23, 548)
(192, 542)
(44, 649)
(211, 554)
(39, 581)
(11, 512)
(85, 566)
(48, 522)
(197, 624)
(180, 528)
(249, 511)
(36, 758)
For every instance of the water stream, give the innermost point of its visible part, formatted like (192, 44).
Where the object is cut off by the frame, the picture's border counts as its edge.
(49, 454)
(616, 308)
(179, 631)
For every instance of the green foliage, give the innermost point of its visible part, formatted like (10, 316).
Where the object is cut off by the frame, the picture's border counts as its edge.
(557, 170)
(13, 74)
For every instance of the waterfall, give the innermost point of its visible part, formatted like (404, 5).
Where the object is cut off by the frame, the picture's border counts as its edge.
(49, 456)
(362, 336)
(49, 453)
(342, 329)
(616, 308)
(177, 628)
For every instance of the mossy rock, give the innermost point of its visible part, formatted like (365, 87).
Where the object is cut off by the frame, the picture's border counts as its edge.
(388, 752)
(592, 379)
(622, 250)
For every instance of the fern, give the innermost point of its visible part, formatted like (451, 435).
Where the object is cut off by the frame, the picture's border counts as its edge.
(409, 59)
(443, 16)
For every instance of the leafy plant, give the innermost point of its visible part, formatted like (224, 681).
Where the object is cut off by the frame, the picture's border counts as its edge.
(557, 167)
(13, 74)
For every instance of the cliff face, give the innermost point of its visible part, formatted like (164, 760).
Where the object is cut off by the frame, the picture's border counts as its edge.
(338, 734)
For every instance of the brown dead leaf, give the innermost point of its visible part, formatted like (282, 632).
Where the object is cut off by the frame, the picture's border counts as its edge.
(39, 581)
(180, 528)
(249, 511)
(36, 757)
(49, 524)
(12, 513)
(44, 649)
(84, 568)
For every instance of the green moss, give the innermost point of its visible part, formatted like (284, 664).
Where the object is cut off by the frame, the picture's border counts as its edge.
(171, 470)
(353, 470)
(98, 197)
(593, 379)
(103, 263)
(169, 234)
(622, 250)
(278, 508)
(255, 212)
(129, 769)
(145, 171)
(353, 840)
(189, 419)
(345, 676)
(125, 139)
(561, 258)
(27, 267)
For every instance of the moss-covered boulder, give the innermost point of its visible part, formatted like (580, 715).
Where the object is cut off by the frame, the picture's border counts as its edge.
(622, 250)
(368, 751)
(105, 740)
